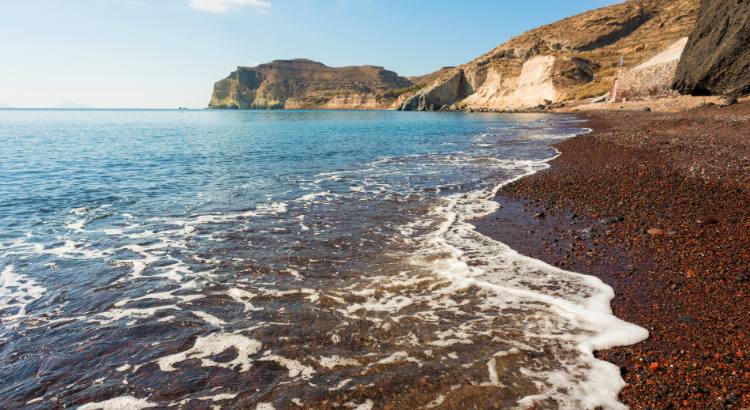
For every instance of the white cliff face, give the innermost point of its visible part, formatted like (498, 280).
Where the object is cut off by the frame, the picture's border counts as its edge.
(446, 91)
(532, 87)
(481, 88)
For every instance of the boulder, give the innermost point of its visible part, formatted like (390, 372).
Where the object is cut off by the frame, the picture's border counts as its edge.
(716, 60)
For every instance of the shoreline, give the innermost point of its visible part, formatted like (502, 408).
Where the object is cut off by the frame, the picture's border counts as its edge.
(655, 205)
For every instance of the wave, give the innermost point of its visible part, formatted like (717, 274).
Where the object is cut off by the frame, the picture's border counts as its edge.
(571, 302)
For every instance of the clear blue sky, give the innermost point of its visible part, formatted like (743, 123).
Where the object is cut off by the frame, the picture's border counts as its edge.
(168, 53)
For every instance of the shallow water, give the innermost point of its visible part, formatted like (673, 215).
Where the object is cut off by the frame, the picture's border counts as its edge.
(284, 260)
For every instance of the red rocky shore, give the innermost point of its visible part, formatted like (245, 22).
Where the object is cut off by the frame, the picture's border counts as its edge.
(658, 206)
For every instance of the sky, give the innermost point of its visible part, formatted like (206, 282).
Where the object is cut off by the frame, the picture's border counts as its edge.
(168, 53)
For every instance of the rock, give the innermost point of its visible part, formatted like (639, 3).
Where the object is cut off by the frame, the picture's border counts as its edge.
(612, 220)
(706, 220)
(717, 56)
(450, 88)
(730, 101)
(656, 231)
(304, 83)
(688, 319)
(646, 109)
(540, 215)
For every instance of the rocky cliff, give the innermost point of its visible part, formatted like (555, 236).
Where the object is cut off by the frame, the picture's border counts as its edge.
(574, 58)
(716, 59)
(305, 84)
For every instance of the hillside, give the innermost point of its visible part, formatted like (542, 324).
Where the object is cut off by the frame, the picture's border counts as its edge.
(301, 84)
(574, 58)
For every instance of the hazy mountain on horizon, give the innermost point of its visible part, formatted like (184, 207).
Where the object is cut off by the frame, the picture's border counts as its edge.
(71, 104)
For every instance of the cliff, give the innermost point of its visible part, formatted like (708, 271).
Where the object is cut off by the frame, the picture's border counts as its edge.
(574, 58)
(717, 57)
(305, 84)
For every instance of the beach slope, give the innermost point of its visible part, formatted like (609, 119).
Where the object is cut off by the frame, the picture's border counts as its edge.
(656, 205)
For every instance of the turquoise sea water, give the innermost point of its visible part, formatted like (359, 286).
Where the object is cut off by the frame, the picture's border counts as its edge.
(276, 258)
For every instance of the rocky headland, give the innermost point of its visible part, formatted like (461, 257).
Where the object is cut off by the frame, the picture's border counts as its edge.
(306, 84)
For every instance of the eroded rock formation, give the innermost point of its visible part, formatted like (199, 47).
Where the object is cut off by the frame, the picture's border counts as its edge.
(572, 59)
(303, 84)
(575, 58)
(716, 60)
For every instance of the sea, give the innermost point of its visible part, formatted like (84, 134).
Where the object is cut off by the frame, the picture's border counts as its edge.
(285, 260)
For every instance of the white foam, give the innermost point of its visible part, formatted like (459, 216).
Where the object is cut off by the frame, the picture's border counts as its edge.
(313, 196)
(76, 226)
(244, 297)
(294, 367)
(114, 315)
(295, 273)
(336, 361)
(219, 397)
(367, 405)
(17, 291)
(457, 252)
(213, 344)
(209, 318)
(399, 357)
(119, 403)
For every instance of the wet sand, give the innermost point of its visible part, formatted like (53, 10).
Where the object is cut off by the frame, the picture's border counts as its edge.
(658, 206)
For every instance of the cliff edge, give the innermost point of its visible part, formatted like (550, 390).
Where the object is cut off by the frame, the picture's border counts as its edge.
(306, 84)
(572, 59)
(576, 58)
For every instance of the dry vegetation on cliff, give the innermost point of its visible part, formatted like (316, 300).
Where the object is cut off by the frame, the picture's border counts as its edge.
(586, 48)
(572, 59)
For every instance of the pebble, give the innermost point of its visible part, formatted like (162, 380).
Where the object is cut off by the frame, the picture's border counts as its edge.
(706, 220)
(682, 173)
(612, 220)
(656, 231)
